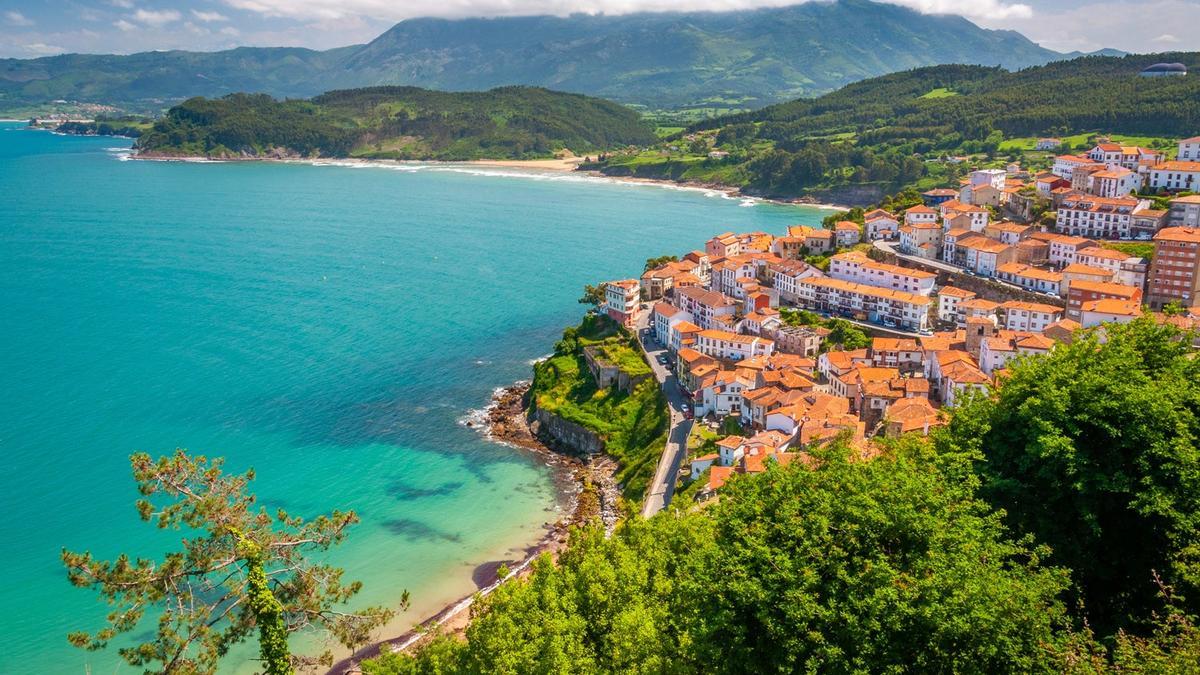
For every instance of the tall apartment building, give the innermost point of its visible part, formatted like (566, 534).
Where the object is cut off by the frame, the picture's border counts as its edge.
(1175, 273)
(1185, 212)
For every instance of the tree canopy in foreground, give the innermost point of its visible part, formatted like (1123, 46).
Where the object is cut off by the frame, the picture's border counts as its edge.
(872, 566)
(239, 569)
(1092, 449)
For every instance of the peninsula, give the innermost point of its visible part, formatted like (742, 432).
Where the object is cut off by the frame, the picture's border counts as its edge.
(397, 123)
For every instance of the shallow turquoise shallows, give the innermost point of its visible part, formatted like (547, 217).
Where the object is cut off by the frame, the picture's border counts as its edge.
(327, 326)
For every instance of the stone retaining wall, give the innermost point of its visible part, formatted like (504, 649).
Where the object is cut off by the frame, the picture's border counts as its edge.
(988, 289)
(564, 435)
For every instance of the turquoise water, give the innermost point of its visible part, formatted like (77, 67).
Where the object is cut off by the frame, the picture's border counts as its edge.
(328, 326)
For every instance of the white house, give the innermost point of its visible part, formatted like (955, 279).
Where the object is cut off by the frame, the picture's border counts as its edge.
(1189, 149)
(993, 177)
(1064, 165)
(621, 299)
(1116, 183)
(1030, 278)
(1028, 316)
(664, 317)
(881, 225)
(1177, 175)
(857, 267)
(785, 274)
(920, 214)
(721, 344)
(950, 301)
(1100, 217)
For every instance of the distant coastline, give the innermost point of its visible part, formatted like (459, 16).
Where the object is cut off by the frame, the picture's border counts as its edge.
(515, 166)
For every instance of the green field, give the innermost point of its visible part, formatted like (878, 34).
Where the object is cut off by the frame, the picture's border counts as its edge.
(940, 92)
(1077, 140)
(633, 425)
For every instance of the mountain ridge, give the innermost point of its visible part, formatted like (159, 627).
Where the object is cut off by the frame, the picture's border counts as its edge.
(727, 60)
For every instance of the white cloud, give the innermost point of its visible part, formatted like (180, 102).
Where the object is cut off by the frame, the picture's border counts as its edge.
(209, 17)
(43, 49)
(1166, 38)
(1131, 25)
(123, 4)
(392, 10)
(124, 25)
(230, 31)
(17, 19)
(152, 17)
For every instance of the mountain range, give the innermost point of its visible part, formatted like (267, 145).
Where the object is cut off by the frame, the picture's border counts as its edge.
(741, 59)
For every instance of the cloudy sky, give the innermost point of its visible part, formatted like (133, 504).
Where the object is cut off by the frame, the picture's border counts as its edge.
(30, 28)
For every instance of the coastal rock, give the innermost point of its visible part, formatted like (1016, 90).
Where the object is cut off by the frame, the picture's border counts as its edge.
(573, 437)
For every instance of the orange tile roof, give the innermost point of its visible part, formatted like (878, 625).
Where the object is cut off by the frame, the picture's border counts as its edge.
(1029, 272)
(1177, 166)
(1032, 307)
(1080, 268)
(863, 289)
(1112, 306)
(1104, 287)
(956, 292)
(1185, 234)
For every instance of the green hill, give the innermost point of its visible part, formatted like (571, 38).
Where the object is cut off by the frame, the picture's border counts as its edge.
(397, 123)
(889, 132)
(709, 60)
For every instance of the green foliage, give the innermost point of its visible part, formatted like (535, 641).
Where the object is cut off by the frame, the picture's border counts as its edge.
(652, 263)
(800, 317)
(397, 123)
(239, 568)
(592, 295)
(632, 425)
(891, 133)
(1092, 450)
(705, 63)
(845, 334)
(1141, 249)
(842, 335)
(884, 566)
(129, 127)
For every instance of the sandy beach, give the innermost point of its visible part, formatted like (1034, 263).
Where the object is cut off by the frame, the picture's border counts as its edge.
(504, 422)
(564, 164)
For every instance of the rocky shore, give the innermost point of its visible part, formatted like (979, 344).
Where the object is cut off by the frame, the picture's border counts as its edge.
(587, 483)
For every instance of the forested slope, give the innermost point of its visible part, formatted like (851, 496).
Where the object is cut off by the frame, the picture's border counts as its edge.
(396, 123)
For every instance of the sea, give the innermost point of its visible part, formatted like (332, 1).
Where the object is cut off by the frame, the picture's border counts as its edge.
(330, 325)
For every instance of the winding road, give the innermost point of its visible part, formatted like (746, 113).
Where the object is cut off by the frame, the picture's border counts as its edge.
(662, 487)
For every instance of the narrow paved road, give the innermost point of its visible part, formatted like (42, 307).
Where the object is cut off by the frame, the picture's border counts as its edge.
(662, 488)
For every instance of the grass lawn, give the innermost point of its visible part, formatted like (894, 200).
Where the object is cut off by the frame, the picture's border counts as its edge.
(1142, 249)
(940, 92)
(1028, 143)
(633, 425)
(702, 440)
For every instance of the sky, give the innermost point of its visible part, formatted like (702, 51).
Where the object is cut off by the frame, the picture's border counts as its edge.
(32, 28)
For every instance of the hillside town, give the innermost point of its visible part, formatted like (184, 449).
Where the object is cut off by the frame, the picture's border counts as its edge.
(950, 291)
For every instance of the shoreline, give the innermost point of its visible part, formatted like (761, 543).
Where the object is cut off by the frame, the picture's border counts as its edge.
(504, 422)
(532, 167)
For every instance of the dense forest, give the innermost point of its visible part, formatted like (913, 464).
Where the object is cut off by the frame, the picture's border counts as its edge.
(397, 123)
(1051, 527)
(893, 131)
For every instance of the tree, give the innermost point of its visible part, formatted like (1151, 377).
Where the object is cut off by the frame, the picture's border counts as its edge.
(844, 565)
(846, 334)
(1174, 308)
(609, 605)
(884, 565)
(592, 295)
(239, 569)
(654, 263)
(1092, 449)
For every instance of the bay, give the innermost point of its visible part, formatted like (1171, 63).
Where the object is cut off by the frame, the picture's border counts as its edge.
(328, 326)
